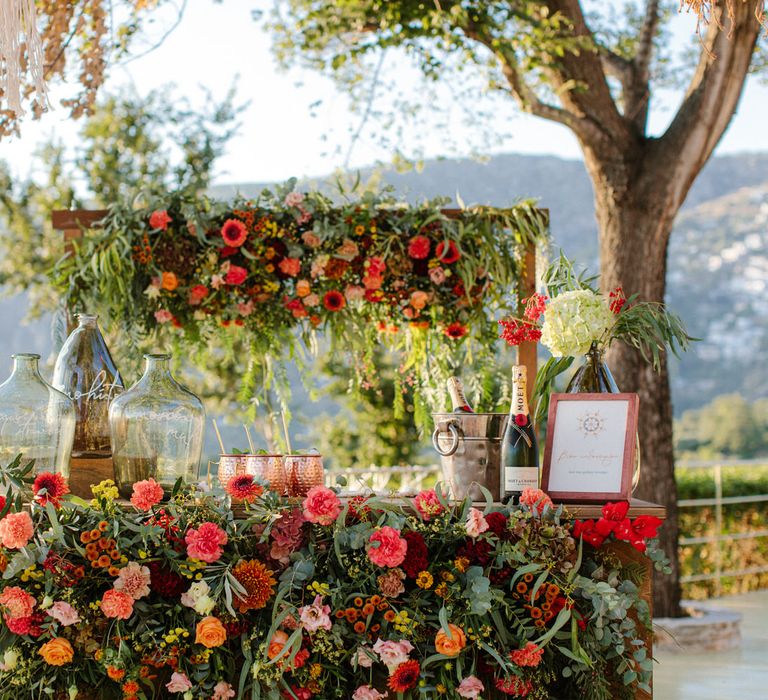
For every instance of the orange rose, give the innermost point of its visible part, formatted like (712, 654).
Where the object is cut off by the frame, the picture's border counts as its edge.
(303, 288)
(169, 281)
(276, 644)
(210, 632)
(450, 644)
(57, 652)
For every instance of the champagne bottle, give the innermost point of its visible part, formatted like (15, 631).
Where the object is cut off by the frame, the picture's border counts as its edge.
(456, 392)
(519, 448)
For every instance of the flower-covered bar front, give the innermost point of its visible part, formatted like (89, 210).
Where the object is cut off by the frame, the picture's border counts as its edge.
(361, 598)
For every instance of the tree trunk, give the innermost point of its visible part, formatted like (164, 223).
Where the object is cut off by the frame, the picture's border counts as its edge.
(635, 220)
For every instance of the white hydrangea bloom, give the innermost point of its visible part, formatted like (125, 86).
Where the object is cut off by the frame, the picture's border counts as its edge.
(573, 321)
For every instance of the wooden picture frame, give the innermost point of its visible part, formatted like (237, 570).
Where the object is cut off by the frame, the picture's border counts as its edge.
(594, 444)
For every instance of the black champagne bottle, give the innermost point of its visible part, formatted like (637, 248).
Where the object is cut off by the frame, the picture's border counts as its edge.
(519, 448)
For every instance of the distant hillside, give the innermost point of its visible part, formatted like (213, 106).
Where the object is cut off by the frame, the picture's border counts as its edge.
(718, 262)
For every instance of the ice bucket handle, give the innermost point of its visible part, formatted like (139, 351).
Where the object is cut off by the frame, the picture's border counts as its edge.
(446, 427)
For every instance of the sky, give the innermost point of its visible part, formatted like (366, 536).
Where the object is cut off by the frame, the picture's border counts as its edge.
(215, 43)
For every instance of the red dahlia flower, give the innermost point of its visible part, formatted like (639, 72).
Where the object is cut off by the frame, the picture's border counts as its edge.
(234, 233)
(50, 488)
(447, 253)
(405, 677)
(334, 301)
(456, 330)
(418, 247)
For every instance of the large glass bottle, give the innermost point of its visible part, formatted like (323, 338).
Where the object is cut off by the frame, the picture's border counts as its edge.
(36, 420)
(157, 429)
(86, 372)
(519, 447)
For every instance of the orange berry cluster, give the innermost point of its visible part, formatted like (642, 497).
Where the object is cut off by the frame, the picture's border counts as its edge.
(360, 614)
(143, 253)
(247, 216)
(542, 611)
(101, 551)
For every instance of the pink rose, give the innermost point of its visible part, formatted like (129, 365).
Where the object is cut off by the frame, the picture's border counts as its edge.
(316, 616)
(310, 239)
(16, 603)
(363, 657)
(117, 604)
(366, 692)
(293, 199)
(470, 687)
(16, 530)
(321, 506)
(63, 613)
(133, 579)
(205, 542)
(391, 547)
(163, 316)
(437, 275)
(311, 300)
(216, 281)
(476, 522)
(146, 494)
(235, 275)
(428, 504)
(179, 683)
(354, 292)
(290, 266)
(392, 653)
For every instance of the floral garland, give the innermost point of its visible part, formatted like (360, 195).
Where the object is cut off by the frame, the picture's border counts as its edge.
(364, 599)
(269, 271)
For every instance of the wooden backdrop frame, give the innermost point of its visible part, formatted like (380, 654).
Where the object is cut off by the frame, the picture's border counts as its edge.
(72, 222)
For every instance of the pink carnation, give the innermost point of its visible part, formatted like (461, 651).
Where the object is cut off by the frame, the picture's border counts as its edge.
(133, 580)
(535, 498)
(16, 603)
(205, 542)
(179, 683)
(470, 687)
(321, 506)
(63, 613)
(16, 530)
(316, 616)
(476, 522)
(428, 504)
(163, 316)
(117, 604)
(366, 692)
(529, 655)
(222, 691)
(146, 494)
(290, 266)
(391, 550)
(354, 292)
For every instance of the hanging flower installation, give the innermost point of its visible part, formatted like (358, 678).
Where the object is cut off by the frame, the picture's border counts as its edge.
(286, 264)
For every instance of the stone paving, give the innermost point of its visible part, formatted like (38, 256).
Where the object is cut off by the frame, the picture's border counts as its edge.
(739, 674)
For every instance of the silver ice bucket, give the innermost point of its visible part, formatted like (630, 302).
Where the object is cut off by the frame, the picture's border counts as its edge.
(469, 445)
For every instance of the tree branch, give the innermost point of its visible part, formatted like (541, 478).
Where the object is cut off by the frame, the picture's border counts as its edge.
(638, 92)
(710, 100)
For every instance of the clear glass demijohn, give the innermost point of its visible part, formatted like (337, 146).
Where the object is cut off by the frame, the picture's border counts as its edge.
(157, 429)
(36, 420)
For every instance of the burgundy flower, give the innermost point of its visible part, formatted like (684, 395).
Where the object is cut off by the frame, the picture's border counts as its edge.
(497, 523)
(417, 558)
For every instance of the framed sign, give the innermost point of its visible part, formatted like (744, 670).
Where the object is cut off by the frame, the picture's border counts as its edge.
(590, 452)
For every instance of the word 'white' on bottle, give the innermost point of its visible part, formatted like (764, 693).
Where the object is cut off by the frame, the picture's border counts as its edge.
(519, 448)
(458, 399)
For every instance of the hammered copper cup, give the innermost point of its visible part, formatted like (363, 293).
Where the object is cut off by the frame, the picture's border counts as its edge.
(302, 473)
(270, 468)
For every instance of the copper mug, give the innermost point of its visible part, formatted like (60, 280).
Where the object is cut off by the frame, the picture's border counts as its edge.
(302, 472)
